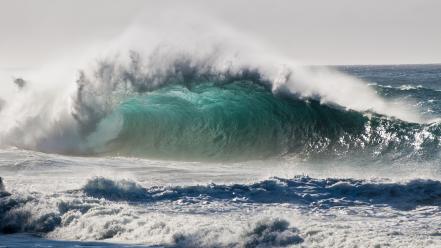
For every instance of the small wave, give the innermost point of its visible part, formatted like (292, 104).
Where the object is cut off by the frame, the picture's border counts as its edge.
(322, 193)
(270, 233)
(115, 190)
(404, 87)
(264, 233)
(410, 87)
(21, 213)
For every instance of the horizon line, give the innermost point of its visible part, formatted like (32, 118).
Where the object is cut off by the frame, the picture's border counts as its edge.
(312, 64)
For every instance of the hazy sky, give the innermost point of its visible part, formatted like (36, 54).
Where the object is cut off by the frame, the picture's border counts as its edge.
(312, 31)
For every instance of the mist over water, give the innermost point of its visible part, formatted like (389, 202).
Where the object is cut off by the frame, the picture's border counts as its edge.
(152, 95)
(161, 139)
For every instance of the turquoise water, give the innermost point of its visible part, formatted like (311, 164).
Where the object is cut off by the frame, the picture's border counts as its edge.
(242, 120)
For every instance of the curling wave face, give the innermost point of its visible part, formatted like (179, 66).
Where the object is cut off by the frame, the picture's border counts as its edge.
(245, 120)
(197, 109)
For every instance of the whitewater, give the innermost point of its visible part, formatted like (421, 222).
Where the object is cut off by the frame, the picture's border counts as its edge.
(218, 142)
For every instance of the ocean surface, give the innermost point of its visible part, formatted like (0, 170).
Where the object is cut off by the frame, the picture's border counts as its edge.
(190, 153)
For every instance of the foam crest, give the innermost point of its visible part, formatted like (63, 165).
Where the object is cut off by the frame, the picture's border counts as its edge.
(321, 193)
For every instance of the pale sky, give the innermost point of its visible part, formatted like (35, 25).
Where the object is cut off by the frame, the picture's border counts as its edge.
(311, 31)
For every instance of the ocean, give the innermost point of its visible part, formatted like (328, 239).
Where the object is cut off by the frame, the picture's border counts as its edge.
(196, 152)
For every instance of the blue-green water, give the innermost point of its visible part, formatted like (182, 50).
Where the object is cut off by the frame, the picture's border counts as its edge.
(244, 119)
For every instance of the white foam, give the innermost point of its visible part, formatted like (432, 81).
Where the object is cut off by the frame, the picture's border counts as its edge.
(40, 116)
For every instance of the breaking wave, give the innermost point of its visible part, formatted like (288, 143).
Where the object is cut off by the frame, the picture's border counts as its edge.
(209, 107)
